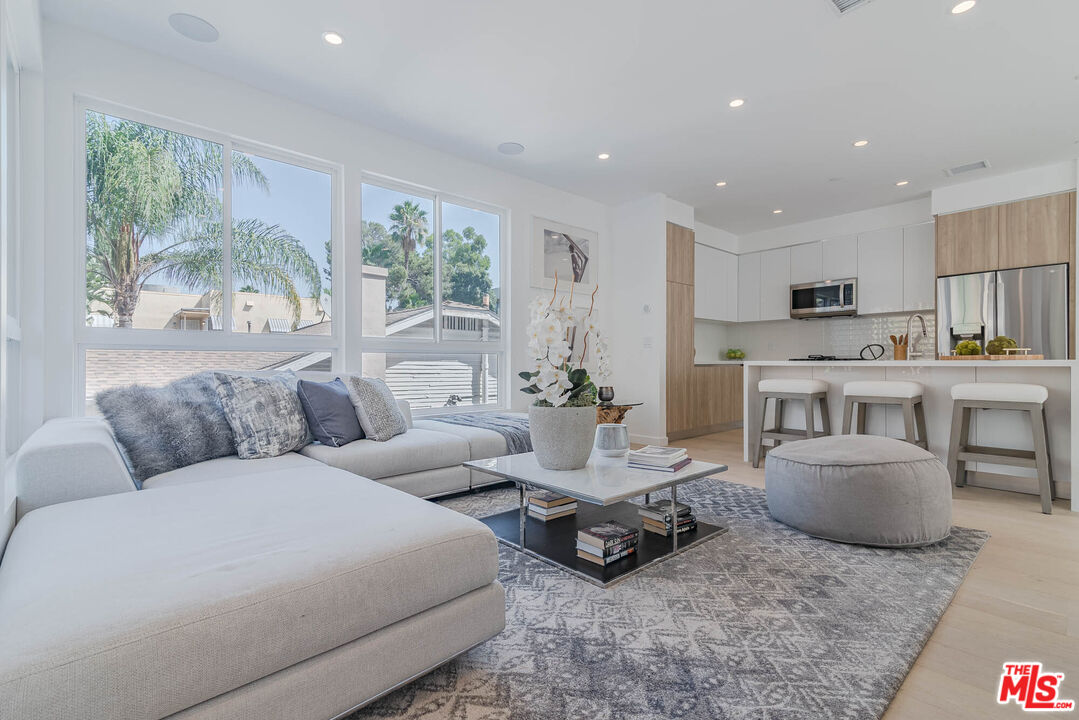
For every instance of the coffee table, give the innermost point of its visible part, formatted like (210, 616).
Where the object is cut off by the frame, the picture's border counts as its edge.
(601, 489)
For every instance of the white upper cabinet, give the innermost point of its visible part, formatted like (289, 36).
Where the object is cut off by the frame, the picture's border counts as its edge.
(919, 267)
(731, 287)
(880, 271)
(806, 263)
(776, 284)
(749, 287)
(709, 277)
(839, 258)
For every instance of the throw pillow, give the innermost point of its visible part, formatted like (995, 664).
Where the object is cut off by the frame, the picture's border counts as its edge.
(376, 408)
(264, 413)
(166, 428)
(329, 412)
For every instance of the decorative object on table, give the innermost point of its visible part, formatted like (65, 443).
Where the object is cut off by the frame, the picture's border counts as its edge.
(656, 518)
(613, 414)
(999, 345)
(612, 439)
(606, 395)
(968, 347)
(546, 506)
(899, 350)
(563, 251)
(659, 458)
(561, 340)
(607, 542)
(736, 354)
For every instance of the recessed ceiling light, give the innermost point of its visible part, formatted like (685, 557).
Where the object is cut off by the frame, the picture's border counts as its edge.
(737, 103)
(511, 148)
(962, 7)
(604, 156)
(777, 212)
(193, 27)
(860, 143)
(901, 183)
(721, 183)
(332, 38)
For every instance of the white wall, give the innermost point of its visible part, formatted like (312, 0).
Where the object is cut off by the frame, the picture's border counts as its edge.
(77, 63)
(912, 212)
(1035, 182)
(714, 237)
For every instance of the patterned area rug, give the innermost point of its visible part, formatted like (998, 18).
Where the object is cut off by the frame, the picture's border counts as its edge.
(761, 622)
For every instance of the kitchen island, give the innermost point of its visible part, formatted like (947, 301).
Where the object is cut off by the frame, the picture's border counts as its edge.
(990, 427)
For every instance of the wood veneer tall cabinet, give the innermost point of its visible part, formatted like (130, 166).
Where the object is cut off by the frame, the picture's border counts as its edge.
(700, 398)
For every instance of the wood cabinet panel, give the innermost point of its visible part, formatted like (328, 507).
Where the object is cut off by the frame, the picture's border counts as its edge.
(968, 242)
(680, 248)
(1039, 231)
(679, 356)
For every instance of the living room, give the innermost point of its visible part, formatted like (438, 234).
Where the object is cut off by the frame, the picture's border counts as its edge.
(474, 360)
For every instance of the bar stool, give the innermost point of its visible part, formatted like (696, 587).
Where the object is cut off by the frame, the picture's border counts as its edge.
(780, 389)
(1031, 399)
(860, 395)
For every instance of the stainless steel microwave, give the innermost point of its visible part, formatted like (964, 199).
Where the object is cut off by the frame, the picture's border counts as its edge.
(824, 299)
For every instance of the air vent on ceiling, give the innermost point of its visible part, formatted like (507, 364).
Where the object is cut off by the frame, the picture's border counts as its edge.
(845, 6)
(971, 167)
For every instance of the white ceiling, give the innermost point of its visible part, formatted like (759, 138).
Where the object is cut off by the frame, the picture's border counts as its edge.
(650, 83)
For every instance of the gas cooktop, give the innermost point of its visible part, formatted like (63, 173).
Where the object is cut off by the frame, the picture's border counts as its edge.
(826, 358)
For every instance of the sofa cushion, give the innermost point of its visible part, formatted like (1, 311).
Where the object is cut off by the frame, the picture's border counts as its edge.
(265, 414)
(413, 451)
(482, 443)
(329, 411)
(228, 468)
(376, 408)
(170, 427)
(143, 604)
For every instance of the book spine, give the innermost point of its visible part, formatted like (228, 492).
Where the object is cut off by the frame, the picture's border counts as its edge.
(604, 542)
(607, 560)
(608, 551)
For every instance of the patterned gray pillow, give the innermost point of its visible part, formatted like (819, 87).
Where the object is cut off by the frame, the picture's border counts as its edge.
(265, 414)
(376, 408)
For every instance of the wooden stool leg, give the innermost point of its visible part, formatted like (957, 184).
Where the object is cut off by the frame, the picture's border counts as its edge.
(861, 408)
(825, 421)
(1049, 456)
(779, 416)
(811, 424)
(1041, 458)
(908, 422)
(758, 448)
(848, 412)
(958, 412)
(919, 417)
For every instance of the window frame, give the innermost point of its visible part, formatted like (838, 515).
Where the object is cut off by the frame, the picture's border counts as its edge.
(225, 339)
(10, 247)
(437, 345)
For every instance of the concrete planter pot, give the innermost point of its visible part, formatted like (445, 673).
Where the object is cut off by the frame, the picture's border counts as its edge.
(562, 437)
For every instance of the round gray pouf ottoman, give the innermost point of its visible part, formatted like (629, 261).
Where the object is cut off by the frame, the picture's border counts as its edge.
(860, 489)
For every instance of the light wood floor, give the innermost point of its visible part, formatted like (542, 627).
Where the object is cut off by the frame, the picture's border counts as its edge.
(1020, 601)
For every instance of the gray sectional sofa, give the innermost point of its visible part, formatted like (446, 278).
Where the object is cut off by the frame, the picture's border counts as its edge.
(300, 586)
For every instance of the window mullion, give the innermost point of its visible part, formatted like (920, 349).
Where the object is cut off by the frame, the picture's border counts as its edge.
(226, 238)
(437, 265)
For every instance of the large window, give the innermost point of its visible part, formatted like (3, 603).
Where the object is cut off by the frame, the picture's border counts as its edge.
(432, 290)
(199, 243)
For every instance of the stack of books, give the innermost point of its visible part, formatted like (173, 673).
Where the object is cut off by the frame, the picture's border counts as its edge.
(607, 542)
(547, 506)
(657, 457)
(656, 518)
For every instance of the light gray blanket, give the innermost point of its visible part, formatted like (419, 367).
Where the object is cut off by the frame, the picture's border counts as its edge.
(511, 427)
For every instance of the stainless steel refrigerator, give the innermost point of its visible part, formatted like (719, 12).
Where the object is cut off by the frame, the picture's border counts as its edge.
(1028, 304)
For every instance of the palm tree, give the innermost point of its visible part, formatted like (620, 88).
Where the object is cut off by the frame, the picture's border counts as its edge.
(152, 208)
(408, 226)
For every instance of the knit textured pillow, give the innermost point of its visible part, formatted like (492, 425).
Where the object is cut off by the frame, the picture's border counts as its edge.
(265, 415)
(376, 408)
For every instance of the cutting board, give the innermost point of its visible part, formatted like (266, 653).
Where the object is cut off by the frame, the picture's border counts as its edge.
(992, 357)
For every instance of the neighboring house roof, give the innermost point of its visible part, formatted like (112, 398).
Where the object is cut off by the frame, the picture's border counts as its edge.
(398, 320)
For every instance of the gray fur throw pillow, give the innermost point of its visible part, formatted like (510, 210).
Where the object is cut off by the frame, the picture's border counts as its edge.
(376, 408)
(162, 429)
(265, 414)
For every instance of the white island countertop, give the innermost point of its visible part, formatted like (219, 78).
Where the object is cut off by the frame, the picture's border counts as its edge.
(929, 362)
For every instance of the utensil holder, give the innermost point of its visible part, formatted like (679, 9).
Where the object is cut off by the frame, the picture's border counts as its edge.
(899, 352)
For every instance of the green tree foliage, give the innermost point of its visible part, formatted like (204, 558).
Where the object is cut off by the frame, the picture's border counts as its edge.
(466, 271)
(152, 209)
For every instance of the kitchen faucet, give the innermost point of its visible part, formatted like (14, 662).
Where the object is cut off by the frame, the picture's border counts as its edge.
(913, 350)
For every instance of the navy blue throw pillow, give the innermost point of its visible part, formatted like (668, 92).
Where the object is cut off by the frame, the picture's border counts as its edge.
(329, 411)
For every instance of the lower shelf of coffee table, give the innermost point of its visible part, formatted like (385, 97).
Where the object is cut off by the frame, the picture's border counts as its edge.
(555, 542)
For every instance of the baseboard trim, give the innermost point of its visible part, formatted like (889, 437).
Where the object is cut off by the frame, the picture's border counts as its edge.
(647, 439)
(1013, 483)
(708, 430)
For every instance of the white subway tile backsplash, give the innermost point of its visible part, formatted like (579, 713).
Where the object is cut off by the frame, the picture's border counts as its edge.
(845, 337)
(842, 337)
